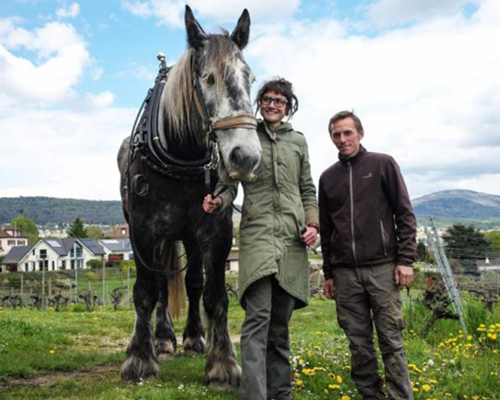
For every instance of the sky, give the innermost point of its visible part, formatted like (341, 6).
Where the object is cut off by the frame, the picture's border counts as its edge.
(423, 76)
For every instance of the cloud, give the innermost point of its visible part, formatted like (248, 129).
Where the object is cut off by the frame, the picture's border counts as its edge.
(427, 94)
(68, 12)
(58, 56)
(62, 153)
(171, 12)
(101, 100)
(394, 12)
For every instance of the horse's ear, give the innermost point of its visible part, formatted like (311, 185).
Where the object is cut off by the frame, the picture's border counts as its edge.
(196, 36)
(241, 33)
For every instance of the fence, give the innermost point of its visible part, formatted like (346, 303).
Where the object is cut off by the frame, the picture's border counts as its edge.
(91, 287)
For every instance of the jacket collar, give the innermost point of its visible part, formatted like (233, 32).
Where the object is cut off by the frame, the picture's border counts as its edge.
(284, 127)
(356, 158)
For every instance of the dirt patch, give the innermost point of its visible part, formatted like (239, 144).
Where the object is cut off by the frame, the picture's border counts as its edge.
(47, 380)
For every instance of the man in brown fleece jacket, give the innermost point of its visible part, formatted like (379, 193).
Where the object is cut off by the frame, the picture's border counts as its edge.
(368, 241)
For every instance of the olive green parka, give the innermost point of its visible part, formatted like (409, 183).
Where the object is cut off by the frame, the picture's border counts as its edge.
(277, 207)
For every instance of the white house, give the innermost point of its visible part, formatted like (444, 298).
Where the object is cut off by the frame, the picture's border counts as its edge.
(9, 238)
(52, 254)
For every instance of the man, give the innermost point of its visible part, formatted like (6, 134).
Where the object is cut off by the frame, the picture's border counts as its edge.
(368, 232)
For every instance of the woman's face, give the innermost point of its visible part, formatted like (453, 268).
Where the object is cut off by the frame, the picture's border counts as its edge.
(273, 107)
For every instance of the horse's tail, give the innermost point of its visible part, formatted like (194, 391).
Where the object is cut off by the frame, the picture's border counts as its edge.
(176, 291)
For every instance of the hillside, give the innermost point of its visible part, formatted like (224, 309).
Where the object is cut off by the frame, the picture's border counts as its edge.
(50, 210)
(459, 206)
(446, 207)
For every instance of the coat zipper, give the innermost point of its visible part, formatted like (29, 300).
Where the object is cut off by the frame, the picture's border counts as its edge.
(352, 213)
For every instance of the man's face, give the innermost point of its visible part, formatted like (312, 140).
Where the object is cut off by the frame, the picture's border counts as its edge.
(346, 137)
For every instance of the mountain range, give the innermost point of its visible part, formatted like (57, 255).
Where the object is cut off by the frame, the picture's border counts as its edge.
(446, 207)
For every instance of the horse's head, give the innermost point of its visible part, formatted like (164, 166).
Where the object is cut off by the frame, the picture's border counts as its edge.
(224, 80)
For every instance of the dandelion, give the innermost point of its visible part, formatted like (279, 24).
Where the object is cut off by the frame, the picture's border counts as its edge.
(469, 338)
(426, 388)
(52, 351)
(345, 398)
(299, 382)
(492, 336)
(339, 379)
(334, 387)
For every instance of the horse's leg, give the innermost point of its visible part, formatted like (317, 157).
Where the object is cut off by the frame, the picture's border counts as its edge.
(193, 337)
(141, 360)
(166, 342)
(221, 370)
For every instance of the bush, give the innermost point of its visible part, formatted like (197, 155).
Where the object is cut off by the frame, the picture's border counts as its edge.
(94, 264)
(125, 264)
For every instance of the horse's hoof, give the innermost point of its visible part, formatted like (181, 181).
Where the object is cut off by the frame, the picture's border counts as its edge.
(165, 350)
(193, 347)
(136, 369)
(223, 375)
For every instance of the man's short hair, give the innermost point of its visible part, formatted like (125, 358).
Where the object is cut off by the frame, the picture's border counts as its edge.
(343, 115)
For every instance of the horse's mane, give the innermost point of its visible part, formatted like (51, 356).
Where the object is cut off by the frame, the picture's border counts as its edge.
(177, 99)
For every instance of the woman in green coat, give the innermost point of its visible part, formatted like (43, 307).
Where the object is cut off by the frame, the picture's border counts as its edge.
(279, 219)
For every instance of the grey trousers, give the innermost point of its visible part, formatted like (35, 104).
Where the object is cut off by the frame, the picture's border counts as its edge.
(265, 347)
(367, 296)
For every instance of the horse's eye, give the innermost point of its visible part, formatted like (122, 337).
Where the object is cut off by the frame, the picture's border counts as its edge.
(210, 79)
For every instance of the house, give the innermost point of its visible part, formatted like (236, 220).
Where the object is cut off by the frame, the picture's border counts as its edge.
(53, 254)
(232, 264)
(121, 232)
(488, 264)
(10, 237)
(117, 249)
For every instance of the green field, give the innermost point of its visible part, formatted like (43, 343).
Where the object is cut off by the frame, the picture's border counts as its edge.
(76, 354)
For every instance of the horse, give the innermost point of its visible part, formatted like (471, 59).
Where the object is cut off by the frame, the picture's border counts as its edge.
(195, 126)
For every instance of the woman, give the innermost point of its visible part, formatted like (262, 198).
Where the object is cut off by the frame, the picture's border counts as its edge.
(279, 219)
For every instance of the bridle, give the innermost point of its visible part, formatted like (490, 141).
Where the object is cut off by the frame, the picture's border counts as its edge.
(146, 136)
(145, 143)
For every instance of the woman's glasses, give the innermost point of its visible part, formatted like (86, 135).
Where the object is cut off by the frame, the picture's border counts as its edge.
(266, 100)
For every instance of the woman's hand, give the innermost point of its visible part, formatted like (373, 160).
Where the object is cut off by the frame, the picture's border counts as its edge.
(211, 204)
(309, 236)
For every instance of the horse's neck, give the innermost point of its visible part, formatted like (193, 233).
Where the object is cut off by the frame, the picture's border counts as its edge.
(186, 145)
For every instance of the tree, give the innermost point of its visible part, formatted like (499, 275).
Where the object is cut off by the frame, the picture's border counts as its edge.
(76, 229)
(94, 232)
(422, 254)
(494, 238)
(27, 226)
(467, 245)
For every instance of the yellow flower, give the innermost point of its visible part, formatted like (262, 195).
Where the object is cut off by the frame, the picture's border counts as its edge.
(334, 387)
(52, 351)
(492, 336)
(339, 379)
(345, 398)
(331, 375)
(415, 390)
(469, 337)
(299, 382)
(426, 388)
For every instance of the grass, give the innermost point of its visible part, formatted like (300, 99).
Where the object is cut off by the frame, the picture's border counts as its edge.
(75, 354)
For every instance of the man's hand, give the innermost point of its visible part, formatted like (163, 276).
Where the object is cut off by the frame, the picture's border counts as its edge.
(309, 236)
(329, 289)
(210, 204)
(403, 276)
